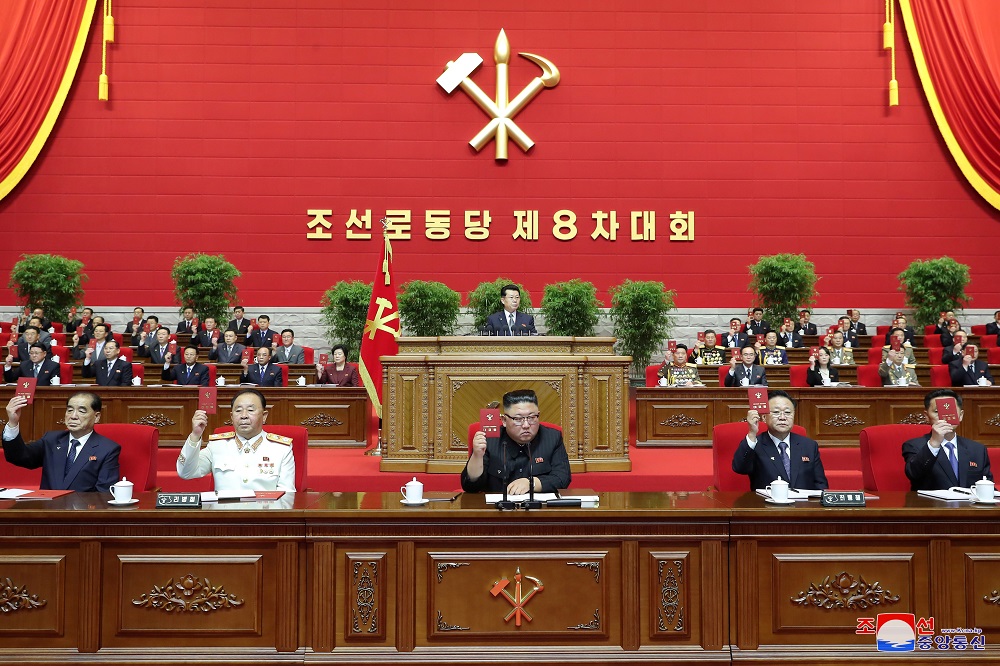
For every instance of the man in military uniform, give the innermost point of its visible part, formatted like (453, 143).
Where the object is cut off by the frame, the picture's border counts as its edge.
(679, 372)
(708, 352)
(904, 345)
(895, 372)
(769, 353)
(249, 459)
(839, 354)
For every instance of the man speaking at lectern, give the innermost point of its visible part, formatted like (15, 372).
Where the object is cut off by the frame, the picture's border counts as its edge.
(509, 321)
(524, 449)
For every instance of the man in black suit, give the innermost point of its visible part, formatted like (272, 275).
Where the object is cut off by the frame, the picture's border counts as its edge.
(944, 321)
(82, 343)
(956, 350)
(135, 327)
(962, 461)
(263, 372)
(969, 370)
(76, 459)
(71, 326)
(993, 328)
(239, 323)
(186, 325)
(735, 338)
(900, 323)
(207, 333)
(159, 351)
(806, 327)
(787, 337)
(228, 352)
(778, 452)
(850, 336)
(188, 373)
(35, 364)
(856, 325)
(30, 337)
(262, 336)
(746, 373)
(509, 321)
(756, 324)
(112, 370)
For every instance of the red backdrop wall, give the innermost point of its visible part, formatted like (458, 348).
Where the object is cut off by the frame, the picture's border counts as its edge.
(229, 120)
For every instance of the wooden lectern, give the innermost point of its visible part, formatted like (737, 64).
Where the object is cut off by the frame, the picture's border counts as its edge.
(434, 388)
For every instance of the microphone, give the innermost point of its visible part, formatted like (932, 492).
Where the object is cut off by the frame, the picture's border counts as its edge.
(532, 503)
(505, 504)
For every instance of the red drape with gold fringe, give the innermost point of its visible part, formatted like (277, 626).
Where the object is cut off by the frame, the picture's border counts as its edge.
(956, 46)
(40, 47)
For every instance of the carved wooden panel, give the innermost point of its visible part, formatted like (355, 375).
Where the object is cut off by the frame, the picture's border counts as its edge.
(683, 419)
(330, 420)
(982, 582)
(671, 611)
(511, 598)
(172, 420)
(33, 600)
(365, 611)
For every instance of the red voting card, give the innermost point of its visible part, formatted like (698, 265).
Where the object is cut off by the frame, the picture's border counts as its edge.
(813, 351)
(760, 338)
(970, 350)
(671, 346)
(85, 319)
(788, 322)
(276, 338)
(172, 347)
(253, 324)
(941, 316)
(734, 327)
(79, 330)
(12, 348)
(895, 344)
(701, 336)
(324, 359)
(215, 334)
(208, 398)
(72, 312)
(736, 354)
(947, 410)
(831, 330)
(898, 315)
(194, 323)
(26, 312)
(136, 319)
(758, 399)
(13, 320)
(145, 327)
(247, 355)
(850, 311)
(489, 422)
(26, 387)
(92, 344)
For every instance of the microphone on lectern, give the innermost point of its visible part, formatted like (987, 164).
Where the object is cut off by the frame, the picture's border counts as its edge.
(531, 503)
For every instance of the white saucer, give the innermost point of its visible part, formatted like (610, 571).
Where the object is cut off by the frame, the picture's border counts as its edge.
(976, 500)
(771, 500)
(117, 503)
(417, 503)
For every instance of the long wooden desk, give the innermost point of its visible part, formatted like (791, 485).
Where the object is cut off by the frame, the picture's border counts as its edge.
(335, 416)
(435, 387)
(832, 416)
(650, 578)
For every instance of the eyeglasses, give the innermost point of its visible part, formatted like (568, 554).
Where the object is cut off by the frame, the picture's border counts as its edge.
(785, 414)
(530, 419)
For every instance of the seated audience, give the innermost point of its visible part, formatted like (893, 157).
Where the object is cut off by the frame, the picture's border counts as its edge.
(850, 337)
(956, 350)
(99, 334)
(525, 449)
(112, 370)
(138, 324)
(839, 354)
(820, 372)
(948, 333)
(993, 328)
(769, 353)
(944, 321)
(74, 459)
(159, 351)
(961, 463)
(806, 327)
(245, 460)
(756, 324)
(36, 363)
(228, 352)
(856, 325)
(239, 323)
(787, 337)
(746, 373)
(262, 336)
(778, 453)
(708, 352)
(187, 325)
(263, 372)
(902, 343)
(44, 336)
(29, 338)
(288, 351)
(735, 338)
(188, 373)
(147, 332)
(900, 322)
(969, 370)
(896, 372)
(208, 334)
(73, 324)
(678, 372)
(340, 372)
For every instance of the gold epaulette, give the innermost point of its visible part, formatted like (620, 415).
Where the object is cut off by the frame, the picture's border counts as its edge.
(222, 435)
(287, 441)
(909, 365)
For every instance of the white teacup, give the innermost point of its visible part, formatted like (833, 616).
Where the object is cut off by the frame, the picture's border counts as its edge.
(983, 490)
(220, 381)
(413, 491)
(122, 491)
(136, 381)
(55, 381)
(301, 381)
(662, 381)
(778, 490)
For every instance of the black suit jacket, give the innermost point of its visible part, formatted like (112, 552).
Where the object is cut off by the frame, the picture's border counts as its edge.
(185, 326)
(179, 374)
(808, 329)
(95, 467)
(741, 340)
(258, 339)
(496, 324)
(992, 328)
(152, 352)
(222, 356)
(204, 338)
(763, 462)
(272, 375)
(48, 370)
(796, 339)
(859, 328)
(549, 463)
(813, 378)
(961, 377)
(757, 376)
(929, 472)
(120, 373)
(907, 335)
(240, 327)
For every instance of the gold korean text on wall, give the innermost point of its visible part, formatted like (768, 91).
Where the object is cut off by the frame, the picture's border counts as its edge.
(502, 109)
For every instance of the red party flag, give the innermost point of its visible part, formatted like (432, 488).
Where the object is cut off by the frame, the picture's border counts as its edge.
(381, 325)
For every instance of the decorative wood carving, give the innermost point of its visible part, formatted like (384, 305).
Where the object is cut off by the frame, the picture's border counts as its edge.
(444, 626)
(156, 420)
(364, 615)
(680, 421)
(593, 566)
(321, 421)
(14, 598)
(993, 421)
(845, 591)
(992, 598)
(593, 625)
(556, 386)
(915, 418)
(444, 566)
(187, 595)
(843, 420)
(457, 384)
(670, 611)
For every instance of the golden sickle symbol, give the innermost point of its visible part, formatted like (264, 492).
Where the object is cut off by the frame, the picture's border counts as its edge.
(517, 600)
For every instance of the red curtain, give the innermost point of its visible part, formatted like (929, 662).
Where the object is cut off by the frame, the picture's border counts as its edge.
(956, 45)
(40, 47)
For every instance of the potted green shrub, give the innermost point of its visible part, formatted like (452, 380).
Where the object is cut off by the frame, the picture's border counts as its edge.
(571, 308)
(206, 283)
(428, 308)
(344, 311)
(933, 286)
(641, 315)
(484, 300)
(782, 285)
(48, 281)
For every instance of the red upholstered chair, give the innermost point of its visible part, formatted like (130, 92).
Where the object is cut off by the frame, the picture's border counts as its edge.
(126, 353)
(300, 448)
(988, 341)
(139, 370)
(65, 373)
(57, 326)
(284, 374)
(5, 327)
(137, 461)
(4, 337)
(118, 338)
(19, 477)
(994, 454)
(978, 329)
(874, 355)
(726, 439)
(723, 371)
(213, 373)
(993, 356)
(59, 339)
(929, 329)
(797, 375)
(932, 341)
(309, 355)
(882, 465)
(877, 341)
(934, 355)
(868, 376)
(651, 378)
(474, 428)
(62, 352)
(882, 330)
(940, 375)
